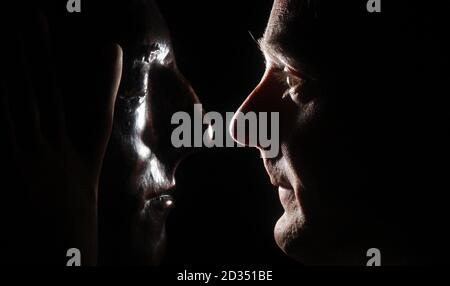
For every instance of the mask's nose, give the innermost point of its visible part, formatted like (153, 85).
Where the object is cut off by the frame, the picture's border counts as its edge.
(169, 93)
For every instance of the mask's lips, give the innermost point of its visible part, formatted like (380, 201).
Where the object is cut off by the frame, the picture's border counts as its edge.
(156, 192)
(161, 201)
(158, 204)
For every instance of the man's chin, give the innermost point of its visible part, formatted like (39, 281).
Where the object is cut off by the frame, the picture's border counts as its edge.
(294, 238)
(287, 232)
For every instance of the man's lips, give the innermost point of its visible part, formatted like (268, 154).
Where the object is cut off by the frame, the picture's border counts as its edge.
(276, 175)
(279, 179)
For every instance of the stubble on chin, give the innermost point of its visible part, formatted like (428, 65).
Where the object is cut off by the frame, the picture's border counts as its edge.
(289, 226)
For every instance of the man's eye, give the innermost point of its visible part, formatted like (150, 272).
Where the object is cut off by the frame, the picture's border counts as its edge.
(293, 81)
(294, 86)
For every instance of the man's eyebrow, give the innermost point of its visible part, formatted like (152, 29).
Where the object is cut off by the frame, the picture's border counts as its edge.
(274, 53)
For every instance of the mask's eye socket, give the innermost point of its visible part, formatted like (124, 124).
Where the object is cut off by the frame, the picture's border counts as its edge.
(294, 83)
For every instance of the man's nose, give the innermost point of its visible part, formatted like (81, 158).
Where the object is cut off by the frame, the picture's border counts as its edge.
(265, 97)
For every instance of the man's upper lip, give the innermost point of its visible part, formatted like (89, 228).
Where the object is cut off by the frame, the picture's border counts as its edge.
(276, 177)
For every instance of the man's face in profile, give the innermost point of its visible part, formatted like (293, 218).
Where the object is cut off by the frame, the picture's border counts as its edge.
(323, 220)
(288, 86)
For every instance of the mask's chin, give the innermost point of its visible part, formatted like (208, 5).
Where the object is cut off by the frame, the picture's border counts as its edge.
(157, 186)
(152, 230)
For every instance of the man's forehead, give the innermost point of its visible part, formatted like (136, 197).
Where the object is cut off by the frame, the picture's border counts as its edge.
(286, 15)
(287, 35)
